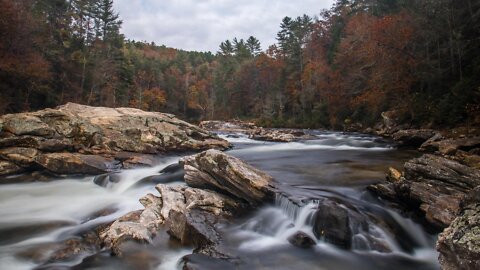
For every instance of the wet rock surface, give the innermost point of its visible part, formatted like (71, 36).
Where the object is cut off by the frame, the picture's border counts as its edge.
(190, 213)
(75, 138)
(442, 187)
(301, 240)
(332, 224)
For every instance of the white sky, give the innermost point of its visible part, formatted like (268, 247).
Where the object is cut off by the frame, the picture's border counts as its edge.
(200, 25)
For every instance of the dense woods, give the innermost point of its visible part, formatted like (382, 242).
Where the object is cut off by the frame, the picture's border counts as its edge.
(418, 59)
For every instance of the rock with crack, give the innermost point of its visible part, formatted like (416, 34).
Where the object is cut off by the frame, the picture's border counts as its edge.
(45, 139)
(229, 175)
(140, 226)
(433, 186)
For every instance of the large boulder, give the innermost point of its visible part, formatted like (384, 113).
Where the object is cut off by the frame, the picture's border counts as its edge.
(73, 132)
(432, 185)
(332, 224)
(413, 137)
(217, 171)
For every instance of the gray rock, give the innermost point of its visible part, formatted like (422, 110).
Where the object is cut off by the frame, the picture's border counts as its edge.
(215, 170)
(332, 224)
(26, 124)
(459, 244)
(301, 240)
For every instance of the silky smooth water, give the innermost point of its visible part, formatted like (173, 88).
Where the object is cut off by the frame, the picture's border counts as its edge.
(37, 216)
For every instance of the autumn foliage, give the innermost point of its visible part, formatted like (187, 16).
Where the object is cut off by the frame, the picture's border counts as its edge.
(355, 61)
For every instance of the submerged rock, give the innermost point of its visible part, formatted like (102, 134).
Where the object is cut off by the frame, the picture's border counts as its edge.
(301, 240)
(104, 180)
(332, 224)
(218, 171)
(63, 140)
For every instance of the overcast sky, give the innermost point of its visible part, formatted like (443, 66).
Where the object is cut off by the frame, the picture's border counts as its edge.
(201, 25)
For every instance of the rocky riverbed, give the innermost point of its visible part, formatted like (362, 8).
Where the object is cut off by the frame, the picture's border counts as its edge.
(281, 199)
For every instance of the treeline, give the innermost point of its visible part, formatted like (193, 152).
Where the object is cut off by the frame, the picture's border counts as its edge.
(419, 59)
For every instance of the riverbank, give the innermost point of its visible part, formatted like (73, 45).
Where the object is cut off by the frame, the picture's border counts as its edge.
(214, 204)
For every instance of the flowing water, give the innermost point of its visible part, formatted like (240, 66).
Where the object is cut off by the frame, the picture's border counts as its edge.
(36, 217)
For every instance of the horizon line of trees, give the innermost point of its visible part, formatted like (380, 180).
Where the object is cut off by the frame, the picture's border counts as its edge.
(355, 61)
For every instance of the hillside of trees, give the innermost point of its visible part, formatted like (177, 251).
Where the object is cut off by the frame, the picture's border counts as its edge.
(352, 62)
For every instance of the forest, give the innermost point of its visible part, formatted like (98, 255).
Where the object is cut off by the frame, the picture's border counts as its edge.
(348, 64)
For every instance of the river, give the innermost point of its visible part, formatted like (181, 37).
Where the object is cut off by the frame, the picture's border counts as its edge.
(37, 216)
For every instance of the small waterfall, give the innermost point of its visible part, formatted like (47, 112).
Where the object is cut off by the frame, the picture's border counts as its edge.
(273, 225)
